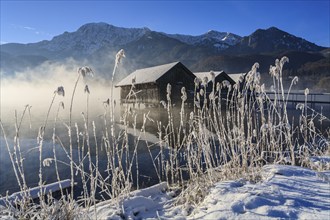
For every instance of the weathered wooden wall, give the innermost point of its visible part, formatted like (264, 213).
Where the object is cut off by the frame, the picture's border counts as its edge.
(154, 92)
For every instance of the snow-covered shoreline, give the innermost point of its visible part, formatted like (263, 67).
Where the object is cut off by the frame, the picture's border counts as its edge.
(284, 192)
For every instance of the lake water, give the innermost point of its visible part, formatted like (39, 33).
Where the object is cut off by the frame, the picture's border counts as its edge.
(147, 144)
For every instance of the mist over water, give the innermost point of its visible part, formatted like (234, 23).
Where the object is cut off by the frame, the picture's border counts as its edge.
(35, 87)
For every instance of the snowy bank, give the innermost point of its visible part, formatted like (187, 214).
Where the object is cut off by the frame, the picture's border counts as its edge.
(33, 193)
(283, 192)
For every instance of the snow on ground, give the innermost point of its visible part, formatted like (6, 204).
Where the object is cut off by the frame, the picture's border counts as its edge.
(284, 192)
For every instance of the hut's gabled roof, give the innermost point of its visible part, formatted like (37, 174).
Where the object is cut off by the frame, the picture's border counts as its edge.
(146, 75)
(202, 75)
(233, 78)
(236, 76)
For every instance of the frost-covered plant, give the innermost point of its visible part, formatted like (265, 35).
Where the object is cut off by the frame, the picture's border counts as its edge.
(231, 132)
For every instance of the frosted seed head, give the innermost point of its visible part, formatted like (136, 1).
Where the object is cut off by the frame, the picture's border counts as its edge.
(184, 94)
(257, 88)
(46, 162)
(262, 88)
(255, 67)
(272, 88)
(183, 90)
(295, 80)
(86, 90)
(197, 81)
(218, 87)
(257, 77)
(311, 123)
(85, 71)
(119, 56)
(163, 103)
(40, 134)
(284, 60)
(201, 92)
(205, 81)
(277, 62)
(107, 102)
(212, 76)
(197, 104)
(62, 104)
(254, 133)
(60, 91)
(226, 84)
(168, 88)
(191, 116)
(211, 96)
(306, 91)
(300, 106)
(271, 70)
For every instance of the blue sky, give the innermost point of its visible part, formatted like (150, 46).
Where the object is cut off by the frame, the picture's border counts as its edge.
(33, 21)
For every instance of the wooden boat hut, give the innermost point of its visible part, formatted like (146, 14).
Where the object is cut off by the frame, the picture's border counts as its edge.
(150, 84)
(220, 77)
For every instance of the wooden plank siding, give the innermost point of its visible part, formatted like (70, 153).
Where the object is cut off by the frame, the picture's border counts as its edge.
(179, 76)
(153, 90)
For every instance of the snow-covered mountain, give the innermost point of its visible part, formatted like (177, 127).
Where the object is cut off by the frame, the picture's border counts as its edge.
(97, 43)
(93, 36)
(272, 40)
(220, 40)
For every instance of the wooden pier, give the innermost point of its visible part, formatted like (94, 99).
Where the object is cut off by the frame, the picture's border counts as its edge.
(312, 99)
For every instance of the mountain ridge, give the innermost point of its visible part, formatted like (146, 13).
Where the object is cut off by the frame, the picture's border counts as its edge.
(97, 43)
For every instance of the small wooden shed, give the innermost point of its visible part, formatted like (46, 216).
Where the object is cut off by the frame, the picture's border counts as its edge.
(220, 76)
(150, 84)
